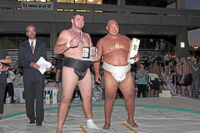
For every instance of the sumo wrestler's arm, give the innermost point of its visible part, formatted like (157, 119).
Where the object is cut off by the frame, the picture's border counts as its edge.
(97, 63)
(65, 41)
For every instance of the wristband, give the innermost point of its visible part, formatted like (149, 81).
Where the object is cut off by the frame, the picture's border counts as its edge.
(68, 45)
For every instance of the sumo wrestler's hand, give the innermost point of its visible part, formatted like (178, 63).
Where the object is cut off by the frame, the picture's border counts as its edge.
(96, 58)
(136, 57)
(73, 43)
(98, 78)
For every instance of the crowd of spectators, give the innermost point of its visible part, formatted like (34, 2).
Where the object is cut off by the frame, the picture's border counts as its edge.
(152, 74)
(179, 75)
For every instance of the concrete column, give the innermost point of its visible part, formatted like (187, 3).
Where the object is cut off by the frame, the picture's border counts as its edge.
(53, 36)
(53, 30)
(121, 2)
(182, 39)
(180, 4)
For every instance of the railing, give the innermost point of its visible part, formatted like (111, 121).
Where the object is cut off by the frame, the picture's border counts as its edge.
(13, 53)
(101, 13)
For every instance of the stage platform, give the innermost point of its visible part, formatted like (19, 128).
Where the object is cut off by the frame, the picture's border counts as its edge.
(153, 115)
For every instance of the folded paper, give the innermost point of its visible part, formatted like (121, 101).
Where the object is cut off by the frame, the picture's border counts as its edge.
(43, 65)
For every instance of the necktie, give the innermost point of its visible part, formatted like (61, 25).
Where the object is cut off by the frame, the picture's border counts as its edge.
(32, 47)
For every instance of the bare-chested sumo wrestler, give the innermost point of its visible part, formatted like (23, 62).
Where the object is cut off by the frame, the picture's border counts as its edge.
(114, 49)
(75, 71)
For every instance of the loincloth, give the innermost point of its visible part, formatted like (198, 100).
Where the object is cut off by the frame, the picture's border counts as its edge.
(118, 72)
(80, 66)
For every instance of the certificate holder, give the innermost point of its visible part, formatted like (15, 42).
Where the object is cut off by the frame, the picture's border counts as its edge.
(89, 53)
(133, 50)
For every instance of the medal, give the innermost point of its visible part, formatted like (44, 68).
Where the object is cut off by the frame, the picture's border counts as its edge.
(116, 46)
(82, 42)
(80, 35)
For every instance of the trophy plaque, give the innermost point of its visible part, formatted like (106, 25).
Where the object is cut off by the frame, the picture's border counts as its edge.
(89, 53)
(133, 50)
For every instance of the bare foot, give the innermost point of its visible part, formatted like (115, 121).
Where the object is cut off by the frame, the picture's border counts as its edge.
(106, 126)
(132, 123)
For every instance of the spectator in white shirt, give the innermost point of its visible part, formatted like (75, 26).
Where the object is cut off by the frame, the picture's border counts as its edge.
(9, 86)
(18, 82)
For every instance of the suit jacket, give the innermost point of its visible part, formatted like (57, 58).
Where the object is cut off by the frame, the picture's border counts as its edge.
(3, 76)
(25, 57)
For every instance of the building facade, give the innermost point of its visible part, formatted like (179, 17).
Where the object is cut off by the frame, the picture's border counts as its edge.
(52, 16)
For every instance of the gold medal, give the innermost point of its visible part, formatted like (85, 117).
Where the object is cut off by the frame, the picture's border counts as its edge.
(82, 42)
(116, 46)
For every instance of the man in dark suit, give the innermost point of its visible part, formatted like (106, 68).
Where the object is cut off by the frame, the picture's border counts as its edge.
(29, 53)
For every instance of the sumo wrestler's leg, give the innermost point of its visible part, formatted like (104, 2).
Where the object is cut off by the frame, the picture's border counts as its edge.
(127, 88)
(69, 81)
(85, 86)
(111, 87)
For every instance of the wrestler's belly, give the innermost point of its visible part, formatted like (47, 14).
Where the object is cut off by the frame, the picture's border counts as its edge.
(117, 57)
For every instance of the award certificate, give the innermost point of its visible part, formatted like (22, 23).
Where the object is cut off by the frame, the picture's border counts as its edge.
(133, 50)
(89, 53)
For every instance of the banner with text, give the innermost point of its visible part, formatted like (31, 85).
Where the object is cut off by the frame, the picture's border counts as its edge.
(37, 6)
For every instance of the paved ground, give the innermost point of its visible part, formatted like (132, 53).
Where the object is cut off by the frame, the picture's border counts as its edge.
(153, 115)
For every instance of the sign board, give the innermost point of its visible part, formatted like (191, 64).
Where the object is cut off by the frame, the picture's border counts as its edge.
(37, 6)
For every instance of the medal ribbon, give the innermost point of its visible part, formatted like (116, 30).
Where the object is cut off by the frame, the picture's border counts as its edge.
(80, 35)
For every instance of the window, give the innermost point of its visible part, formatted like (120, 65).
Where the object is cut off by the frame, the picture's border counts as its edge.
(35, 0)
(81, 1)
